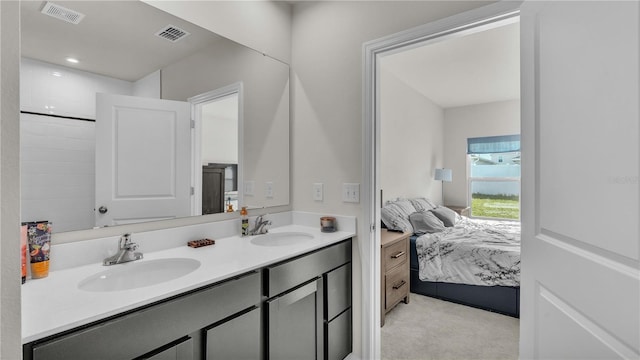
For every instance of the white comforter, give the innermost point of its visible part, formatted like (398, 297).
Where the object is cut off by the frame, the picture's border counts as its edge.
(476, 252)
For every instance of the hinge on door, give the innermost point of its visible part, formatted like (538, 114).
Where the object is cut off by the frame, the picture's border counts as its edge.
(193, 124)
(372, 228)
(193, 191)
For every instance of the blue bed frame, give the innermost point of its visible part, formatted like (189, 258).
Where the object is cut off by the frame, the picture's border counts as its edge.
(501, 299)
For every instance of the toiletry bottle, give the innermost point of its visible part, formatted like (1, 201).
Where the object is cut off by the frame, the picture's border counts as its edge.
(229, 206)
(245, 221)
(23, 251)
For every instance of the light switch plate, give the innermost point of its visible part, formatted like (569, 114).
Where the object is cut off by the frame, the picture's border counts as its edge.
(318, 191)
(351, 192)
(268, 190)
(248, 187)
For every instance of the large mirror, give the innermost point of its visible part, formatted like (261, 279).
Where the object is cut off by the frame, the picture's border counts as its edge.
(133, 64)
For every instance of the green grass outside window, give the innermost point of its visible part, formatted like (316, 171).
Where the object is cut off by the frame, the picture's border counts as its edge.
(495, 206)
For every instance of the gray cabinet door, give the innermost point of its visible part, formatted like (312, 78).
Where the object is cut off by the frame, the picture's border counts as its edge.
(338, 291)
(293, 324)
(339, 336)
(237, 339)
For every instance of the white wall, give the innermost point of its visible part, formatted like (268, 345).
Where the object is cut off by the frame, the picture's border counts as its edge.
(327, 39)
(10, 311)
(57, 162)
(148, 86)
(411, 141)
(461, 123)
(220, 131)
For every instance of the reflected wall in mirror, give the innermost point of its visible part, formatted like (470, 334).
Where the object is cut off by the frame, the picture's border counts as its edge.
(58, 103)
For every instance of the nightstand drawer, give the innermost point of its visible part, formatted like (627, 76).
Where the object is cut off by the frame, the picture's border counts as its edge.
(397, 285)
(395, 254)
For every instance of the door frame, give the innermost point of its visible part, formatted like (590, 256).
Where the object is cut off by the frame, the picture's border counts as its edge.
(455, 25)
(196, 129)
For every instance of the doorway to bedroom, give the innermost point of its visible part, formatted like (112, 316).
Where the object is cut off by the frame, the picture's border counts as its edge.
(449, 126)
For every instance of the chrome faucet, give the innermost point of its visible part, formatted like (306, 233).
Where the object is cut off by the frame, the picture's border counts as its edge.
(126, 252)
(260, 226)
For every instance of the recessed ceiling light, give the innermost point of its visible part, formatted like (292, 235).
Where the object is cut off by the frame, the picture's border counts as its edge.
(72, 60)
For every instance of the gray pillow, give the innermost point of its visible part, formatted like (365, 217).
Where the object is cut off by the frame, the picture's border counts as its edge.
(446, 215)
(422, 204)
(425, 222)
(395, 215)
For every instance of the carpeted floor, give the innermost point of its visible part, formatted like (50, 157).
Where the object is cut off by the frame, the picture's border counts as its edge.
(432, 329)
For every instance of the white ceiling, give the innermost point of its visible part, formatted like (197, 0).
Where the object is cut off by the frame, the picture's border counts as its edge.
(474, 69)
(115, 38)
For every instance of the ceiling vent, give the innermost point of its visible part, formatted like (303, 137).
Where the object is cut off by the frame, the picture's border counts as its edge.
(172, 33)
(62, 13)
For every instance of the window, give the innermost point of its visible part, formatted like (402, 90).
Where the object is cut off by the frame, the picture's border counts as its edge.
(494, 176)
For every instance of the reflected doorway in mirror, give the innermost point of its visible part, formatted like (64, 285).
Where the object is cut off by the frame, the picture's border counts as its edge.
(217, 134)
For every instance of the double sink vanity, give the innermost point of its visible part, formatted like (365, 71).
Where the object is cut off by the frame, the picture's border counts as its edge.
(282, 295)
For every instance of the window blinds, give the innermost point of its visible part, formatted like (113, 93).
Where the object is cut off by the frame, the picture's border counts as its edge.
(493, 144)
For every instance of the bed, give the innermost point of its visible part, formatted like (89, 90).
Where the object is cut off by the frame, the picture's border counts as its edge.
(472, 262)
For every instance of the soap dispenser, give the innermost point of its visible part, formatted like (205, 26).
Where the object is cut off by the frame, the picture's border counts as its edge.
(244, 230)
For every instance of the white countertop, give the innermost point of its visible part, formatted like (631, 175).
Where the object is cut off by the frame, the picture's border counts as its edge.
(56, 304)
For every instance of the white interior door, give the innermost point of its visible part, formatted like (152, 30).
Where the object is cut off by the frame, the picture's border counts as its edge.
(143, 152)
(580, 295)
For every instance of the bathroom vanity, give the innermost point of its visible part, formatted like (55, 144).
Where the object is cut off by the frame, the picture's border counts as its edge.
(308, 311)
(286, 301)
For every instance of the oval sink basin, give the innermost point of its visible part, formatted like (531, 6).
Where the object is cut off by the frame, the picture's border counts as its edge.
(281, 239)
(135, 274)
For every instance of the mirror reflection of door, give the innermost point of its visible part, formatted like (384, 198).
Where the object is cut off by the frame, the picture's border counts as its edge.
(219, 154)
(134, 138)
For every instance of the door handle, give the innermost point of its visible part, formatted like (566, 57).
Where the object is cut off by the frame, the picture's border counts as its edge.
(103, 209)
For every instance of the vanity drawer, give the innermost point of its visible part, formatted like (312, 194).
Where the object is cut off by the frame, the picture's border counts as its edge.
(397, 285)
(284, 276)
(339, 336)
(395, 254)
(154, 326)
(338, 290)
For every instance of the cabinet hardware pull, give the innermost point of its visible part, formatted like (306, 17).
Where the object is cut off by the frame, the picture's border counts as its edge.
(397, 255)
(399, 285)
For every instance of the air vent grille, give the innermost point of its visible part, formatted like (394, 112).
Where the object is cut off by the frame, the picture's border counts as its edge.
(62, 13)
(172, 33)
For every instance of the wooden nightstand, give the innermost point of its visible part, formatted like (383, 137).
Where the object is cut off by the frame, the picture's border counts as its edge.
(394, 267)
(462, 210)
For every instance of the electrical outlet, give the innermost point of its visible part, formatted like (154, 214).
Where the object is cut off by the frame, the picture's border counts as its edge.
(248, 187)
(318, 191)
(351, 192)
(268, 191)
